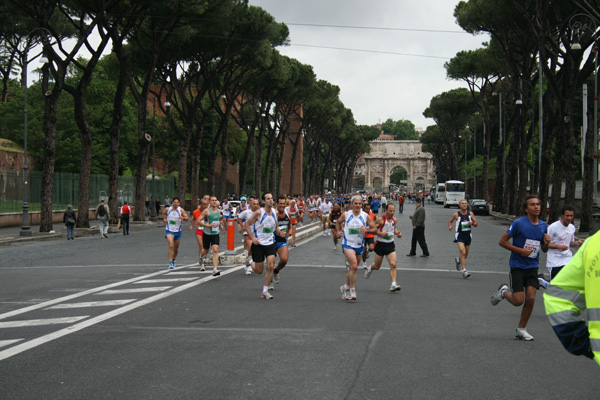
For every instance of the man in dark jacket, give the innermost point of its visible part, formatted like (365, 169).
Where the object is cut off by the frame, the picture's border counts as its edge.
(418, 222)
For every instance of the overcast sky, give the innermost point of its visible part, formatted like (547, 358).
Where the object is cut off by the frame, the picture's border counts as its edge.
(374, 84)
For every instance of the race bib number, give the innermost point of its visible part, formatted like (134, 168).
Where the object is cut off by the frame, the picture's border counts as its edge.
(354, 231)
(268, 230)
(215, 229)
(534, 245)
(388, 237)
(465, 226)
(172, 222)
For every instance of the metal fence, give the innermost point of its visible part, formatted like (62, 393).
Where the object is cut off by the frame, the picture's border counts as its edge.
(66, 189)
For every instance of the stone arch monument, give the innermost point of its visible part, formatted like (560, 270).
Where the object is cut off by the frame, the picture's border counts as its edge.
(387, 155)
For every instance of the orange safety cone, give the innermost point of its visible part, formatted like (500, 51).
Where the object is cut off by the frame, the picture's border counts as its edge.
(230, 237)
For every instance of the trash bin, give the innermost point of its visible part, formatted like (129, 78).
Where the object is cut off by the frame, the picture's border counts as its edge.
(595, 224)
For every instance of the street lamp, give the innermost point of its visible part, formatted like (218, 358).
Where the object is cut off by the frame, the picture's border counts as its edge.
(25, 227)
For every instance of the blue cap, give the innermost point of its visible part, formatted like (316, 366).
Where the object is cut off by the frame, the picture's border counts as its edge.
(243, 198)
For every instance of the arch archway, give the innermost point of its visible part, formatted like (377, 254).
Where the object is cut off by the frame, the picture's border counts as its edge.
(398, 174)
(377, 184)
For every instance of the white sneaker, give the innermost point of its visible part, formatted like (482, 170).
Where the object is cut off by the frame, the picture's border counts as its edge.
(345, 292)
(498, 295)
(352, 294)
(266, 295)
(271, 287)
(365, 264)
(543, 283)
(329, 233)
(521, 334)
(465, 274)
(248, 270)
(395, 288)
(368, 272)
(216, 272)
(335, 246)
(324, 233)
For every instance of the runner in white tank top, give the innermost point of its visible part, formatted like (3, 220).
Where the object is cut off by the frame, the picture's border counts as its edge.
(384, 247)
(356, 224)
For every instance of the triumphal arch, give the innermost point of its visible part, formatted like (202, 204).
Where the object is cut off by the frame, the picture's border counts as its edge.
(388, 155)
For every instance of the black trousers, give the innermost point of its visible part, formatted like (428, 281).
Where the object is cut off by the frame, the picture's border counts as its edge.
(418, 236)
(125, 223)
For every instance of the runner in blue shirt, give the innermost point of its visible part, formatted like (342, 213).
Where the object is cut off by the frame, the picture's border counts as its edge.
(529, 235)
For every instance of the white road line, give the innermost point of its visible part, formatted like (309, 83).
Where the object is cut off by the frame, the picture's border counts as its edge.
(107, 303)
(41, 322)
(4, 343)
(166, 280)
(186, 273)
(136, 290)
(92, 321)
(84, 293)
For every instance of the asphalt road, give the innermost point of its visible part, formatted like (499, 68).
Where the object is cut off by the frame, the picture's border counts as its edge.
(105, 319)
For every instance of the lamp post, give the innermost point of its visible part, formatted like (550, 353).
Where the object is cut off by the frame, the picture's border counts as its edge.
(25, 227)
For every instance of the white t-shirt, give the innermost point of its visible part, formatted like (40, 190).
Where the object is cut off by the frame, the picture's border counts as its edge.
(562, 235)
(326, 208)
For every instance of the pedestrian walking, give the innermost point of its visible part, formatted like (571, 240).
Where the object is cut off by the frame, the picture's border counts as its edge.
(102, 213)
(69, 219)
(125, 212)
(529, 236)
(418, 223)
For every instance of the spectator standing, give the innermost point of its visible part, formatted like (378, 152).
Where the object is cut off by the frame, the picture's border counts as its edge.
(418, 223)
(69, 219)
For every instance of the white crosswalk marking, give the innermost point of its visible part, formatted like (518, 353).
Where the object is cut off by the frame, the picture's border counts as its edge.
(185, 273)
(167, 280)
(136, 290)
(41, 322)
(8, 342)
(107, 303)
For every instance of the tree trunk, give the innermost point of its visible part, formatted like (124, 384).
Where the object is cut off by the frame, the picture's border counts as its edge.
(115, 133)
(86, 162)
(258, 150)
(184, 147)
(587, 195)
(49, 159)
(244, 161)
(142, 163)
(221, 188)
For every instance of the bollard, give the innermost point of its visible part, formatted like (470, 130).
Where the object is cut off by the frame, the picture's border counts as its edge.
(230, 237)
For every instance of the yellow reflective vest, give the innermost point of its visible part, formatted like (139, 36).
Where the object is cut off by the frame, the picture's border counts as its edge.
(574, 289)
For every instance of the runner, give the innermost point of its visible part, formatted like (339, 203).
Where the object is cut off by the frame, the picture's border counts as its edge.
(324, 210)
(242, 218)
(286, 225)
(172, 216)
(336, 213)
(312, 208)
(241, 208)
(292, 212)
(464, 221)
(260, 227)
(300, 210)
(226, 207)
(529, 236)
(385, 246)
(211, 219)
(355, 227)
(369, 237)
(202, 205)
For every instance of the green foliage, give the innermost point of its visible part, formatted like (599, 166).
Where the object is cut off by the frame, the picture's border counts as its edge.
(401, 130)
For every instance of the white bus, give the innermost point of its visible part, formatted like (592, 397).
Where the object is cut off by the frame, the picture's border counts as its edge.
(440, 193)
(455, 192)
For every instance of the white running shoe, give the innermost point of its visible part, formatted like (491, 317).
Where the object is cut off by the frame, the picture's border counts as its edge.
(395, 288)
(345, 292)
(248, 270)
(216, 272)
(365, 264)
(521, 334)
(368, 272)
(465, 274)
(324, 233)
(276, 278)
(266, 295)
(352, 294)
(498, 295)
(543, 282)
(329, 233)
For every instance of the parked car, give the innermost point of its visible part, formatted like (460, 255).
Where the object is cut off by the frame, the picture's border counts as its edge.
(479, 206)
